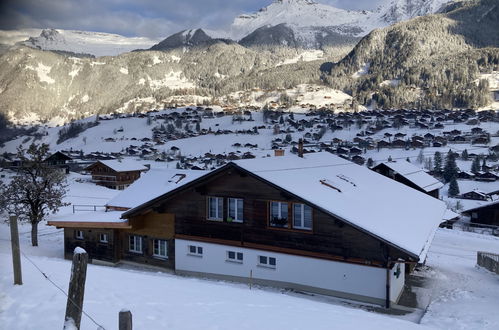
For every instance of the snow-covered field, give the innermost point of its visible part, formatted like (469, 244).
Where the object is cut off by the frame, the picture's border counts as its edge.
(461, 295)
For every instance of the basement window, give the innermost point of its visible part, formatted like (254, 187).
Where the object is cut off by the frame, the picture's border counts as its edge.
(234, 256)
(194, 250)
(268, 262)
(79, 234)
(104, 238)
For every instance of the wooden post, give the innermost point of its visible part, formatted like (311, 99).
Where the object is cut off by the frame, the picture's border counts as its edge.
(74, 305)
(125, 321)
(16, 252)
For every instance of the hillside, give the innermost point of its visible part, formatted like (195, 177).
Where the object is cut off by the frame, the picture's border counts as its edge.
(431, 61)
(43, 85)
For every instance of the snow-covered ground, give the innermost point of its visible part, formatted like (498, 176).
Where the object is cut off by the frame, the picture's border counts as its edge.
(461, 295)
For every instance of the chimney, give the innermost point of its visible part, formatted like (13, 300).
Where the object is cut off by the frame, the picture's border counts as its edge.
(300, 148)
(278, 152)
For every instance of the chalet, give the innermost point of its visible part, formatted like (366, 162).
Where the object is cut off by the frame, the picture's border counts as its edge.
(59, 160)
(115, 174)
(487, 214)
(465, 175)
(410, 175)
(475, 195)
(486, 176)
(291, 222)
(397, 143)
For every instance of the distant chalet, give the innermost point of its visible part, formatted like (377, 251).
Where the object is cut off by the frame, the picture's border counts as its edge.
(316, 223)
(410, 175)
(115, 174)
(487, 214)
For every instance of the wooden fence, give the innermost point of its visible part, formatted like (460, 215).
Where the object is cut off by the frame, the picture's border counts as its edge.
(488, 261)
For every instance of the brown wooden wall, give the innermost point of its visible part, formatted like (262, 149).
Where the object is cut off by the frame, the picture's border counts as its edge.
(329, 235)
(150, 226)
(90, 242)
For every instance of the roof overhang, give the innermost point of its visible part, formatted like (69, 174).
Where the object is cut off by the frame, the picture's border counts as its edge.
(85, 224)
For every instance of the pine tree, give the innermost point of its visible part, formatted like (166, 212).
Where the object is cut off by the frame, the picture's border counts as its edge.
(370, 162)
(453, 188)
(464, 155)
(420, 158)
(450, 168)
(475, 165)
(437, 163)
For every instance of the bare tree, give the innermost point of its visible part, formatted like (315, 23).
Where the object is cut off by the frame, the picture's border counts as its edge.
(36, 190)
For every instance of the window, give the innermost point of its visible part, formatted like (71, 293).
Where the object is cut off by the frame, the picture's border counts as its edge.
(103, 238)
(235, 211)
(79, 234)
(269, 262)
(279, 214)
(474, 215)
(233, 256)
(194, 250)
(160, 248)
(135, 244)
(302, 216)
(215, 208)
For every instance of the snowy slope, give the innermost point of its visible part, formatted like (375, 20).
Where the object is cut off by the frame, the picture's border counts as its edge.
(85, 42)
(302, 15)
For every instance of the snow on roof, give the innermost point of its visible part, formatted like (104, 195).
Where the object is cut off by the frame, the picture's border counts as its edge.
(89, 216)
(383, 207)
(124, 165)
(449, 215)
(153, 184)
(415, 174)
(481, 206)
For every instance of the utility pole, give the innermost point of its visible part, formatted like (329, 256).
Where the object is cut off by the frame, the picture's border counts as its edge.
(74, 305)
(16, 252)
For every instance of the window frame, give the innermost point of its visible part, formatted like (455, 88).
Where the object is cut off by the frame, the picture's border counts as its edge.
(302, 220)
(199, 251)
(104, 235)
(235, 218)
(267, 263)
(159, 255)
(236, 257)
(287, 226)
(136, 239)
(78, 236)
(219, 211)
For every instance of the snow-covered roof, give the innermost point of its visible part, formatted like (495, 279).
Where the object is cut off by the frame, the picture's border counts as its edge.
(153, 184)
(90, 219)
(449, 215)
(415, 174)
(481, 206)
(124, 165)
(374, 203)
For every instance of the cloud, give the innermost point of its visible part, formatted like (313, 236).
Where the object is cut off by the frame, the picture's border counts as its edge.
(150, 18)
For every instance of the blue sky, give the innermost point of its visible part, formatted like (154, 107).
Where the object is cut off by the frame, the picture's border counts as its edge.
(149, 18)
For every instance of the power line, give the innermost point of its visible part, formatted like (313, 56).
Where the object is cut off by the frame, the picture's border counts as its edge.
(100, 327)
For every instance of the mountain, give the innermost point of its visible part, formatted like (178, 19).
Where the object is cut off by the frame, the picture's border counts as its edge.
(38, 85)
(81, 42)
(186, 39)
(308, 24)
(441, 60)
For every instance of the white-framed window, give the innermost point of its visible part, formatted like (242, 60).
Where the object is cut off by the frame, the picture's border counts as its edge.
(279, 214)
(215, 208)
(160, 248)
(79, 234)
(235, 209)
(135, 244)
(265, 261)
(194, 250)
(234, 256)
(302, 216)
(104, 238)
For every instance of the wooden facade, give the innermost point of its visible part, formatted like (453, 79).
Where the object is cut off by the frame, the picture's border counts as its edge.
(388, 172)
(486, 215)
(329, 238)
(106, 176)
(116, 246)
